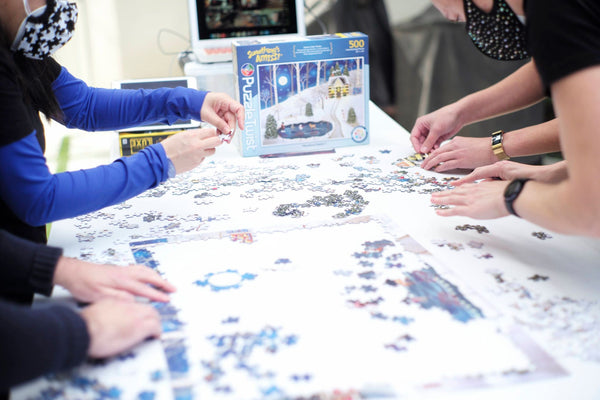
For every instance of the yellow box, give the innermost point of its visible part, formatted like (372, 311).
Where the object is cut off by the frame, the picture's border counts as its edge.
(130, 143)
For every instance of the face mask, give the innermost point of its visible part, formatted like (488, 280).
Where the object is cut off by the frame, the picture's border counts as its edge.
(499, 34)
(46, 29)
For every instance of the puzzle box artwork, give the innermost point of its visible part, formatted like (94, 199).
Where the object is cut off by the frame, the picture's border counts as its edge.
(302, 95)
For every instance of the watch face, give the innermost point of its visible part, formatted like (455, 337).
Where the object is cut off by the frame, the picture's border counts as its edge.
(496, 139)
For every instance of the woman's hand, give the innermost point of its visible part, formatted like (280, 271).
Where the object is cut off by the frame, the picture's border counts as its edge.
(116, 326)
(461, 152)
(187, 149)
(484, 200)
(509, 170)
(222, 112)
(91, 282)
(432, 129)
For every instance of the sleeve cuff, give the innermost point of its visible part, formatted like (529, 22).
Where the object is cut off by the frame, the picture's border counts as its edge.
(42, 271)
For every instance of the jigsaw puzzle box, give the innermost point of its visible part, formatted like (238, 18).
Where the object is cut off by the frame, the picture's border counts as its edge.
(306, 94)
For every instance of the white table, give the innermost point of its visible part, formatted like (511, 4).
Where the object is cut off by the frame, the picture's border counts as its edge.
(547, 283)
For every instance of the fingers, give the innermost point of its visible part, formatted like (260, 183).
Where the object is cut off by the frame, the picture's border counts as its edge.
(416, 139)
(451, 212)
(214, 119)
(113, 332)
(147, 275)
(204, 133)
(146, 291)
(429, 143)
(114, 293)
(238, 111)
(436, 158)
(144, 282)
(486, 172)
(222, 112)
(209, 140)
(453, 198)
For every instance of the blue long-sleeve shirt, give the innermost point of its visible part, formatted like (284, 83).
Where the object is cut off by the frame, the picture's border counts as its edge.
(37, 196)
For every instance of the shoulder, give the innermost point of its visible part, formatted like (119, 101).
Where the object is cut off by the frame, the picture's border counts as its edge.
(563, 36)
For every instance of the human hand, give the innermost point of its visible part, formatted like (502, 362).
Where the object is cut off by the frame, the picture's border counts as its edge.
(509, 170)
(91, 282)
(189, 148)
(115, 326)
(461, 152)
(484, 200)
(432, 129)
(221, 111)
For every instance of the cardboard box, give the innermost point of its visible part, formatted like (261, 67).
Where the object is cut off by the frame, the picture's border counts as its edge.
(308, 94)
(131, 143)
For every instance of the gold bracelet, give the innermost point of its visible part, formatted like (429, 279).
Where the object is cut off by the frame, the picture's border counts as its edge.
(497, 146)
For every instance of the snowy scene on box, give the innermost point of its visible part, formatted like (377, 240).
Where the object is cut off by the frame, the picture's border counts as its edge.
(316, 100)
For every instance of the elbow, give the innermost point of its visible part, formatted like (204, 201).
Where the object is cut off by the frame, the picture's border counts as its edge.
(35, 212)
(33, 217)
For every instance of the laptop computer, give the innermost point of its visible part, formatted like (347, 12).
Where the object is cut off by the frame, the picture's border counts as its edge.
(214, 24)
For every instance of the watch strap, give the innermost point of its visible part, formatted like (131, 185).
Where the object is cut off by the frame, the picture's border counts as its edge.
(498, 146)
(512, 192)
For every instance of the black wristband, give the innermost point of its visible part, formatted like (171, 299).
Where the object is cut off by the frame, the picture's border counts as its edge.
(512, 191)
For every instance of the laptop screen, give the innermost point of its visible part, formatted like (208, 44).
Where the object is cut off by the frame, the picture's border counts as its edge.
(218, 22)
(241, 18)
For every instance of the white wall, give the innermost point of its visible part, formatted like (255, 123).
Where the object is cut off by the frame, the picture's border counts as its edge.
(117, 39)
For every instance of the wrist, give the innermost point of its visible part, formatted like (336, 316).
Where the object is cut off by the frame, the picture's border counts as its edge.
(469, 110)
(512, 192)
(92, 328)
(64, 270)
(460, 110)
(498, 146)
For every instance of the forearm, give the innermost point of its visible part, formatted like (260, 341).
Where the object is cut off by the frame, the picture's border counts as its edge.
(37, 197)
(559, 207)
(519, 90)
(537, 139)
(26, 266)
(93, 109)
(39, 341)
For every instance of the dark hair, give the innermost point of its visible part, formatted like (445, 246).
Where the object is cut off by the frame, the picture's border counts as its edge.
(34, 77)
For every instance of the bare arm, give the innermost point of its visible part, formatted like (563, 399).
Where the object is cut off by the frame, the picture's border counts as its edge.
(537, 139)
(573, 206)
(519, 90)
(468, 153)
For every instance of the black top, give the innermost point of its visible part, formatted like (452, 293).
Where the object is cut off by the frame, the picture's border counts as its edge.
(19, 117)
(563, 36)
(38, 341)
(25, 268)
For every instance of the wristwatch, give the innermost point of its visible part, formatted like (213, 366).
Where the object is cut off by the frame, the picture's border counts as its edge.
(497, 146)
(512, 191)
